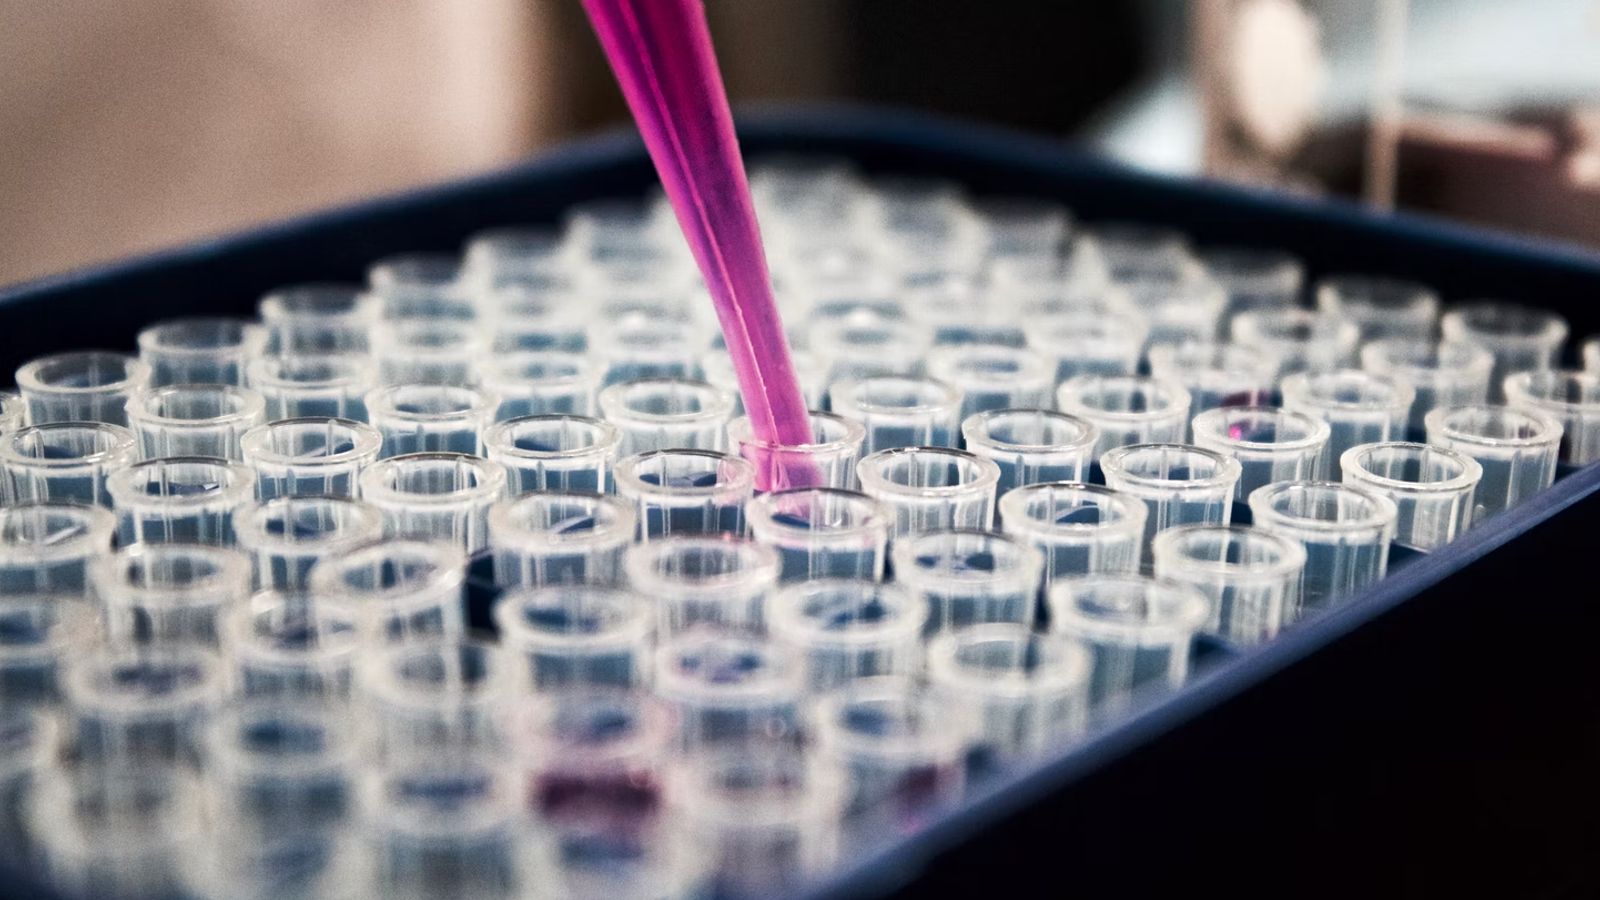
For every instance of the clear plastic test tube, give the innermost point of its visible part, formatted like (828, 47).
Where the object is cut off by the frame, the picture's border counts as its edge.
(828, 460)
(182, 499)
(46, 548)
(1031, 445)
(1251, 577)
(994, 377)
(1302, 340)
(169, 593)
(863, 344)
(1382, 308)
(10, 413)
(431, 418)
(297, 647)
(1082, 529)
(1569, 396)
(667, 414)
(29, 742)
(1359, 407)
(562, 636)
(428, 351)
(821, 533)
(396, 590)
(83, 386)
(893, 739)
(274, 766)
(1432, 488)
(1254, 278)
(435, 697)
(519, 318)
(728, 689)
(117, 832)
(1015, 692)
(556, 537)
(554, 452)
(542, 383)
(1091, 342)
(1181, 306)
(1270, 444)
(899, 410)
(1346, 531)
(514, 254)
(39, 635)
(1217, 375)
(194, 420)
(323, 384)
(1516, 448)
(63, 462)
(318, 319)
(1441, 375)
(435, 496)
(1180, 484)
(717, 581)
(641, 346)
(200, 350)
(285, 536)
(842, 629)
(686, 491)
(141, 706)
(424, 286)
(970, 577)
(930, 488)
(1138, 628)
(1127, 409)
(311, 456)
(1590, 355)
(1520, 338)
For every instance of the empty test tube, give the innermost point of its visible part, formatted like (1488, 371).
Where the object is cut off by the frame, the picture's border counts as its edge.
(446, 826)
(1031, 445)
(1251, 577)
(318, 319)
(993, 377)
(686, 491)
(1180, 306)
(863, 344)
(292, 647)
(645, 346)
(1180, 484)
(899, 411)
(200, 350)
(667, 414)
(1302, 340)
(428, 351)
(324, 384)
(40, 634)
(554, 452)
(63, 462)
(1270, 444)
(543, 383)
(1139, 630)
(522, 318)
(894, 740)
(1441, 375)
(1217, 375)
(1517, 450)
(29, 742)
(10, 413)
(821, 533)
(1091, 342)
(1570, 397)
(169, 593)
(1432, 488)
(1127, 409)
(275, 768)
(285, 536)
(827, 460)
(1015, 692)
(1255, 279)
(194, 420)
(514, 254)
(420, 286)
(1359, 407)
(435, 496)
(396, 590)
(1082, 529)
(46, 548)
(187, 500)
(143, 706)
(117, 832)
(1520, 338)
(562, 636)
(1346, 531)
(312, 456)
(435, 696)
(930, 488)
(560, 537)
(1382, 308)
(86, 386)
(729, 688)
(842, 629)
(970, 577)
(431, 418)
(718, 581)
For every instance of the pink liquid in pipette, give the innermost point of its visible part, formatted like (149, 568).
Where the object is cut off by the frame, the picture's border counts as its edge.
(661, 53)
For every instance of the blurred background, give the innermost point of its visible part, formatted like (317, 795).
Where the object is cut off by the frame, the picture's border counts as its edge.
(129, 125)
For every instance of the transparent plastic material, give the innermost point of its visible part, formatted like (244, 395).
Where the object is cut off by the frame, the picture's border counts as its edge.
(447, 826)
(117, 832)
(1590, 355)
(1359, 407)
(1382, 308)
(1217, 375)
(1178, 483)
(435, 496)
(10, 413)
(717, 368)
(327, 384)
(524, 318)
(182, 500)
(1127, 409)
(899, 411)
(419, 286)
(729, 689)
(993, 377)
(667, 413)
(292, 647)
(63, 462)
(829, 460)
(556, 537)
(28, 747)
(1090, 342)
(431, 418)
(843, 629)
(645, 346)
(1180, 305)
(821, 533)
(554, 452)
(285, 536)
(46, 548)
(931, 488)
(563, 636)
(169, 593)
(1570, 397)
(395, 590)
(200, 350)
(1270, 444)
(1255, 279)
(1432, 488)
(901, 759)
(1082, 529)
(1251, 577)
(1015, 692)
(1139, 630)
(39, 635)
(318, 319)
(141, 706)
(281, 766)
(542, 383)
(1031, 445)
(863, 345)
(686, 491)
(1517, 450)
(1520, 338)
(194, 420)
(1442, 375)
(318, 457)
(85, 386)
(715, 581)
(435, 697)
(428, 351)
(1302, 340)
(1345, 530)
(970, 577)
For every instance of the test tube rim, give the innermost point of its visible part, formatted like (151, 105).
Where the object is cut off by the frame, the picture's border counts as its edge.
(1185, 619)
(623, 474)
(481, 405)
(1167, 354)
(99, 524)
(237, 626)
(930, 743)
(1028, 557)
(230, 759)
(613, 405)
(252, 336)
(77, 683)
(77, 625)
(378, 676)
(944, 671)
(502, 524)
(1382, 519)
(1479, 364)
(375, 488)
(497, 437)
(537, 746)
(783, 681)
(498, 810)
(358, 369)
(1350, 462)
(1346, 333)
(126, 445)
(632, 629)
(1166, 544)
(498, 370)
(448, 565)
(756, 560)
(108, 576)
(1342, 282)
(878, 518)
(1067, 396)
(276, 307)
(251, 405)
(255, 444)
(1522, 396)
(1437, 421)
(250, 531)
(236, 489)
(1296, 389)
(821, 799)
(1554, 328)
(136, 374)
(1228, 468)
(974, 430)
(1034, 370)
(987, 473)
(1013, 511)
(849, 388)
(742, 434)
(787, 622)
(1320, 430)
